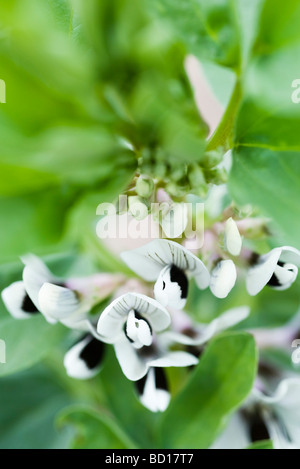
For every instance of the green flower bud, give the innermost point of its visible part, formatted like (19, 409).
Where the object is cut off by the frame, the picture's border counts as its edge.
(144, 186)
(176, 190)
(196, 177)
(213, 158)
(217, 176)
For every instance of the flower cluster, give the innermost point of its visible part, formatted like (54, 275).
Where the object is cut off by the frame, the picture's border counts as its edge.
(143, 327)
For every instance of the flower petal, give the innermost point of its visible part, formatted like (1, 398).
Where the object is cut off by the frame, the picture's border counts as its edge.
(261, 274)
(231, 318)
(149, 260)
(84, 360)
(153, 390)
(133, 366)
(35, 274)
(174, 359)
(18, 302)
(223, 278)
(58, 302)
(175, 221)
(111, 321)
(232, 239)
(286, 405)
(235, 436)
(171, 287)
(287, 394)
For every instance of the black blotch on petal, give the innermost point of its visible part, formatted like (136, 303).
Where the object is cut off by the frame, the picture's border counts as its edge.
(93, 353)
(142, 318)
(257, 427)
(274, 281)
(125, 332)
(178, 276)
(161, 379)
(140, 385)
(28, 306)
(139, 317)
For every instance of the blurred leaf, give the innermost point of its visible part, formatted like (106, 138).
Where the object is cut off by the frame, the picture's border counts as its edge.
(123, 403)
(29, 404)
(209, 30)
(267, 153)
(222, 380)
(275, 177)
(272, 308)
(94, 430)
(145, 86)
(27, 342)
(268, 117)
(33, 222)
(218, 31)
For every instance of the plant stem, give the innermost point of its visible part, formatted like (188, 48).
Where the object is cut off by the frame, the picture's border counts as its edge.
(223, 137)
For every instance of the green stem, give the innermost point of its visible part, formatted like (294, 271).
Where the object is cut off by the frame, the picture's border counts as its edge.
(223, 137)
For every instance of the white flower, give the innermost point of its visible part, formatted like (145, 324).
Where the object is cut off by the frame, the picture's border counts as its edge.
(153, 390)
(223, 278)
(21, 298)
(169, 264)
(65, 301)
(273, 418)
(84, 359)
(18, 302)
(278, 269)
(132, 323)
(232, 238)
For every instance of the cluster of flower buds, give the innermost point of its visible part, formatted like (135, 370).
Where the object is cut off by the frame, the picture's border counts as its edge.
(185, 177)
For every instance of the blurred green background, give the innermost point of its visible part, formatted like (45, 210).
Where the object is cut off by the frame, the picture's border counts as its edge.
(84, 79)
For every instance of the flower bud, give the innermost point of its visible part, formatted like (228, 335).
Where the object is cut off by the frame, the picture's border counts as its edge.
(144, 186)
(232, 238)
(223, 279)
(213, 158)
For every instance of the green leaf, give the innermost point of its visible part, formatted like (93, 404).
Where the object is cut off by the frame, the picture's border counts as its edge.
(267, 143)
(218, 31)
(273, 308)
(93, 430)
(29, 404)
(33, 222)
(27, 342)
(269, 180)
(208, 29)
(221, 382)
(268, 117)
